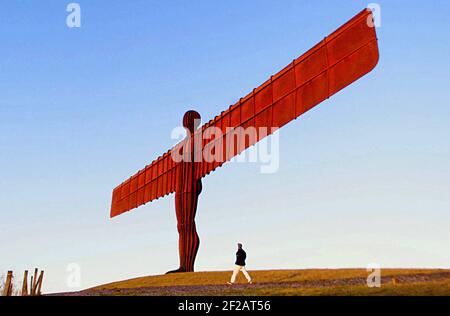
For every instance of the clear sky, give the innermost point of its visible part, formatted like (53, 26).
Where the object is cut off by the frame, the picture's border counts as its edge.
(364, 177)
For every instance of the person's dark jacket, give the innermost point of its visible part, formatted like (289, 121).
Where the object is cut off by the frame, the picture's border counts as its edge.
(240, 257)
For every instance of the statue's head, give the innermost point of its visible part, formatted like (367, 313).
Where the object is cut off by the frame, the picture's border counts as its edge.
(191, 120)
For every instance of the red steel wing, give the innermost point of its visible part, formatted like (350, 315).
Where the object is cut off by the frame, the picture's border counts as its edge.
(341, 58)
(153, 182)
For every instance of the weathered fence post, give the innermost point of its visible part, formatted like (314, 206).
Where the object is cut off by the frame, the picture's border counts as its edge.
(7, 291)
(39, 283)
(34, 282)
(25, 284)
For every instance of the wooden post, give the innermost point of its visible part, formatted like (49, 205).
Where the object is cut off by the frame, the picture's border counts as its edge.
(25, 284)
(7, 291)
(34, 282)
(394, 281)
(39, 283)
(31, 286)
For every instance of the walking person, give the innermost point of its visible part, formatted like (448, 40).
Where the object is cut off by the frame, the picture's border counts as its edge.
(240, 266)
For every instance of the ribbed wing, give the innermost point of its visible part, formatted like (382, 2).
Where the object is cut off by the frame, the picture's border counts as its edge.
(341, 58)
(154, 181)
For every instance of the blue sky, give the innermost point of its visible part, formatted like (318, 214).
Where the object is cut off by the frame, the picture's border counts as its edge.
(364, 177)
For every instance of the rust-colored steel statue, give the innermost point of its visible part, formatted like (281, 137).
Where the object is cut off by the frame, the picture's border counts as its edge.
(338, 60)
(187, 190)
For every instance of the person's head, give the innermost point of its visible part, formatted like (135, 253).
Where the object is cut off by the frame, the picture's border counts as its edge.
(239, 246)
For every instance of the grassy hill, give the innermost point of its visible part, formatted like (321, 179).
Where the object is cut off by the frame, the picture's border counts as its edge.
(283, 282)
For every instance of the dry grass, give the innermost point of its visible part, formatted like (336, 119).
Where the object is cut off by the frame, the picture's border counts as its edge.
(285, 282)
(432, 288)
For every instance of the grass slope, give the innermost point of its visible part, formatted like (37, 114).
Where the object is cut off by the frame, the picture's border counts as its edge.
(284, 282)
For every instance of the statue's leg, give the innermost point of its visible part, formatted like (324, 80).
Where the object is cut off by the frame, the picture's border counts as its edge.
(188, 239)
(192, 239)
(181, 227)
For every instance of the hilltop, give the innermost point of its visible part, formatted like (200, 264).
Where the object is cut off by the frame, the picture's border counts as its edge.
(282, 282)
